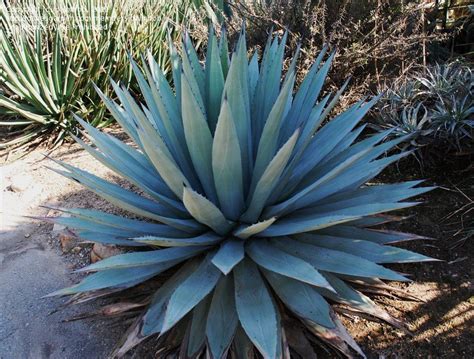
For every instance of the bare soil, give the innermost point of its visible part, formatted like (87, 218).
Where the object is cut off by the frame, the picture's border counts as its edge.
(442, 325)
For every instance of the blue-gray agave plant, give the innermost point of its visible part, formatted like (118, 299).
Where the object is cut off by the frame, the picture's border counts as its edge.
(257, 211)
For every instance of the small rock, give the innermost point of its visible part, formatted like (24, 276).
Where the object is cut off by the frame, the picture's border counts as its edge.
(59, 227)
(27, 235)
(101, 251)
(68, 241)
(19, 183)
(76, 250)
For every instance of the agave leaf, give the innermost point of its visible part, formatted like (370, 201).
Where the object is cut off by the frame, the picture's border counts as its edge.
(364, 160)
(192, 68)
(114, 278)
(130, 339)
(227, 165)
(345, 143)
(222, 320)
(377, 194)
(281, 262)
(129, 160)
(190, 292)
(301, 298)
(349, 178)
(376, 220)
(292, 68)
(311, 222)
(168, 256)
(352, 151)
(205, 211)
(256, 310)
(301, 97)
(146, 90)
(85, 224)
(354, 299)
(268, 85)
(395, 192)
(214, 80)
(327, 138)
(269, 139)
(133, 177)
(198, 138)
(364, 249)
(224, 51)
(165, 101)
(337, 337)
(153, 319)
(253, 75)
(373, 235)
(164, 164)
(197, 330)
(107, 239)
(119, 115)
(314, 90)
(165, 113)
(126, 199)
(314, 121)
(122, 153)
(120, 222)
(236, 88)
(245, 232)
(336, 262)
(176, 69)
(205, 239)
(229, 255)
(269, 180)
(289, 204)
(126, 224)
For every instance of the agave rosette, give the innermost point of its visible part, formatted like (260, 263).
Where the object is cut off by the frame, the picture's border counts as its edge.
(258, 210)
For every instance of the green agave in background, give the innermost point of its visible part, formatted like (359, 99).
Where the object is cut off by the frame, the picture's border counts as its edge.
(257, 213)
(51, 53)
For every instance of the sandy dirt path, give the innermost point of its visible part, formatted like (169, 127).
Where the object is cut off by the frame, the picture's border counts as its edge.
(30, 267)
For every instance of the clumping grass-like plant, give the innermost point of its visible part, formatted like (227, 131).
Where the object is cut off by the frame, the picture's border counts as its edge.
(436, 107)
(258, 213)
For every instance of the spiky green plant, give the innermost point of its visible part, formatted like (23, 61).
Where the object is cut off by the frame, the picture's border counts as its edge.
(51, 52)
(436, 107)
(258, 214)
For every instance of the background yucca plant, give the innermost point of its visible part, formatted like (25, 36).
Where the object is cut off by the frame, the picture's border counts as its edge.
(53, 51)
(257, 214)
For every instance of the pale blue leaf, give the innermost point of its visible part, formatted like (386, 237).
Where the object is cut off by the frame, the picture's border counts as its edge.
(168, 256)
(301, 298)
(246, 231)
(229, 255)
(204, 211)
(205, 239)
(227, 165)
(334, 261)
(256, 309)
(198, 138)
(272, 258)
(190, 292)
(222, 320)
